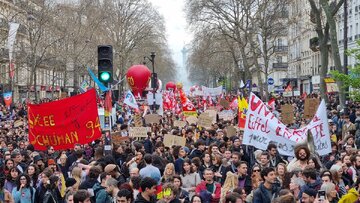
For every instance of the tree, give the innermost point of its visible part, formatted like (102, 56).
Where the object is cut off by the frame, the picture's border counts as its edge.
(353, 79)
(327, 31)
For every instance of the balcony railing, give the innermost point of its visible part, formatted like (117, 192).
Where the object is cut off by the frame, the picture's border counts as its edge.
(280, 65)
(281, 48)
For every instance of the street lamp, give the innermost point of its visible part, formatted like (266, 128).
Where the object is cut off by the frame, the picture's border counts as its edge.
(153, 77)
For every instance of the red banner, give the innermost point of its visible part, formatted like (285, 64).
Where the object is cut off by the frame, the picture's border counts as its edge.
(63, 123)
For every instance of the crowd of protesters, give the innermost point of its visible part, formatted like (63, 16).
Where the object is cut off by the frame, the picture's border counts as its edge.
(211, 167)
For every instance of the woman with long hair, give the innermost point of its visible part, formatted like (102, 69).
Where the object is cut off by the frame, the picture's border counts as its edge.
(9, 163)
(10, 183)
(336, 172)
(190, 179)
(169, 173)
(280, 172)
(183, 195)
(24, 192)
(216, 166)
(76, 174)
(33, 172)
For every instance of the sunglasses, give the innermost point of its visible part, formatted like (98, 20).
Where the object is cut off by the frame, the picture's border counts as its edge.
(256, 170)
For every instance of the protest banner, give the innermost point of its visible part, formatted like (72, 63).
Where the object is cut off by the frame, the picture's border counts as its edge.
(226, 115)
(170, 140)
(262, 127)
(288, 94)
(63, 123)
(139, 131)
(287, 114)
(205, 120)
(152, 118)
(310, 106)
(180, 124)
(225, 103)
(191, 120)
(208, 91)
(212, 113)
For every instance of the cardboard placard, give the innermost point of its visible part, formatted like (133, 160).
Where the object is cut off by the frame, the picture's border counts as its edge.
(180, 124)
(18, 123)
(287, 114)
(224, 103)
(212, 113)
(310, 107)
(192, 120)
(138, 120)
(231, 131)
(205, 120)
(118, 139)
(139, 131)
(152, 118)
(170, 140)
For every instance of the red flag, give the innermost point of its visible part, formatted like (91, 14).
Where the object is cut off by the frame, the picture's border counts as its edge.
(107, 103)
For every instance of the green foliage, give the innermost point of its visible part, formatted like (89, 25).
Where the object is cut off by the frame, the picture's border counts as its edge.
(353, 78)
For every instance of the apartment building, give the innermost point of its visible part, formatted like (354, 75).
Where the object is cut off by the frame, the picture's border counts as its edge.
(304, 57)
(352, 28)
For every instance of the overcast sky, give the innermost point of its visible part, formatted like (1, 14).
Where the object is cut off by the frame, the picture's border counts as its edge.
(177, 33)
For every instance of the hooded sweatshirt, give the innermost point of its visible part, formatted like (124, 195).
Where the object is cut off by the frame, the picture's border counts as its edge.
(350, 197)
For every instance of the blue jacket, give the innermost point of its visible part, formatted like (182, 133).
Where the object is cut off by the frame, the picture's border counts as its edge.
(26, 198)
(261, 194)
(316, 186)
(100, 194)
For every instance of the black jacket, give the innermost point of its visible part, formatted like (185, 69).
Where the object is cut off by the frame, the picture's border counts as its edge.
(196, 153)
(141, 199)
(261, 195)
(88, 184)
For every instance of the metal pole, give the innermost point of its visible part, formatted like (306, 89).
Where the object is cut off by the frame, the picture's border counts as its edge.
(154, 82)
(346, 70)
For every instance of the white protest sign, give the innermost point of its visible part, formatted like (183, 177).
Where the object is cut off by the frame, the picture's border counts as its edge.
(208, 91)
(226, 115)
(139, 131)
(262, 127)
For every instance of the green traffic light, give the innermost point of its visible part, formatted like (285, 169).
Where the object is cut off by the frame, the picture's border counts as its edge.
(105, 76)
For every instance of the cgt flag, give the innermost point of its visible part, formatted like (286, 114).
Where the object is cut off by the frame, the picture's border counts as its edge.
(7, 98)
(63, 123)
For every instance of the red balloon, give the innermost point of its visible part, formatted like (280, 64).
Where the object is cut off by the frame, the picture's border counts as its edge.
(170, 86)
(138, 77)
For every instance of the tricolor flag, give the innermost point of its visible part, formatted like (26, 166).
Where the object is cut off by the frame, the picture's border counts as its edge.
(7, 98)
(242, 108)
(130, 100)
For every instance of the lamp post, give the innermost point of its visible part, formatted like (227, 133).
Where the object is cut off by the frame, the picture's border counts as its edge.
(153, 78)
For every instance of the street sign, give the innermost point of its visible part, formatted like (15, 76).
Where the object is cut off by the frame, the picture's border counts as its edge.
(271, 81)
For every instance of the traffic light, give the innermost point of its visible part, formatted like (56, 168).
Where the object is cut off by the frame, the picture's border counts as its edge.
(105, 64)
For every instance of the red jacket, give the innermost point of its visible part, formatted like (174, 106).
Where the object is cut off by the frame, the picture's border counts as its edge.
(202, 186)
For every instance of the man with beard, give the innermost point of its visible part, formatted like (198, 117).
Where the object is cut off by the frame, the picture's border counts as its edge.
(267, 191)
(355, 168)
(112, 188)
(302, 154)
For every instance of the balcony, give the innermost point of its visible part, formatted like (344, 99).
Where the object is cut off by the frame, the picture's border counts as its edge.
(281, 49)
(4, 54)
(282, 66)
(314, 44)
